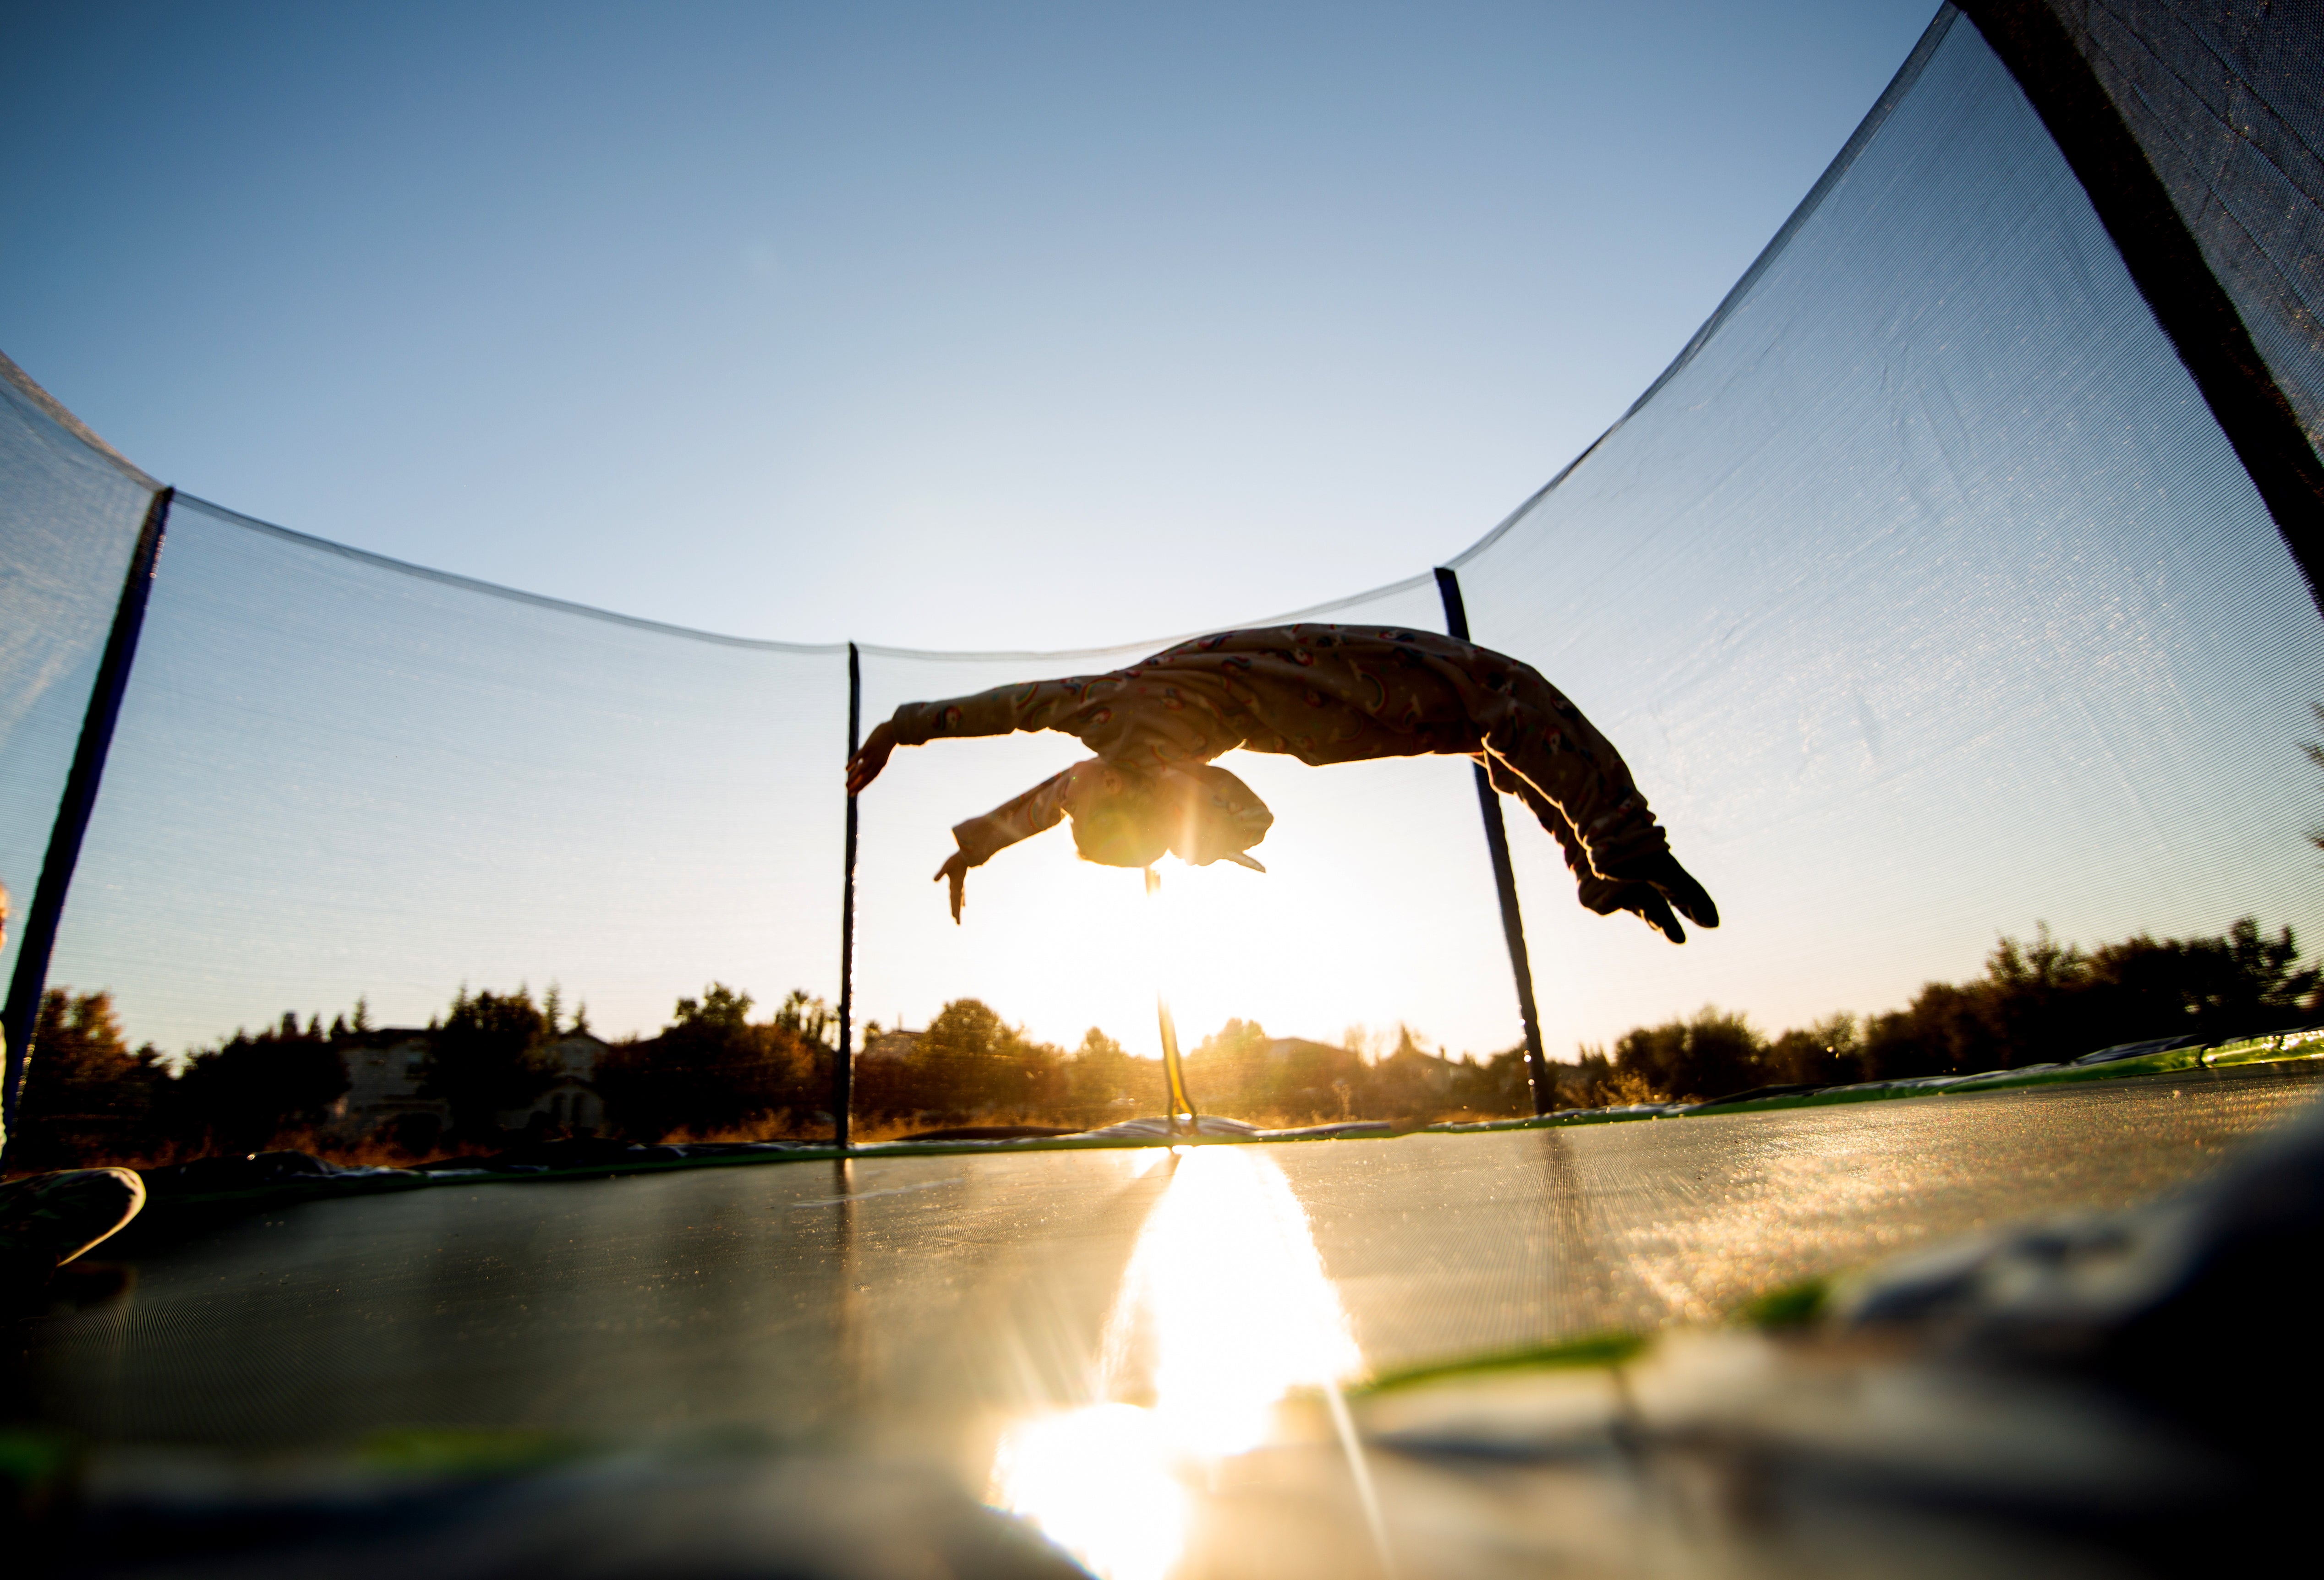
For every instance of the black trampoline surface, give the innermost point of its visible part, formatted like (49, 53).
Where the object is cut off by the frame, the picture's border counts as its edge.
(922, 1303)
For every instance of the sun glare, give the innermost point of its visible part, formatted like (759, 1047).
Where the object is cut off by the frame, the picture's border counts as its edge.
(1102, 1484)
(1224, 1310)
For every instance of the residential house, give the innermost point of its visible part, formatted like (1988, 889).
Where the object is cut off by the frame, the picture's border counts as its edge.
(571, 1100)
(386, 1068)
(896, 1044)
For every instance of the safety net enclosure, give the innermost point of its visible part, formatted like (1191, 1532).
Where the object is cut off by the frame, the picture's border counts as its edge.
(1377, 906)
(1949, 585)
(1925, 595)
(69, 513)
(340, 777)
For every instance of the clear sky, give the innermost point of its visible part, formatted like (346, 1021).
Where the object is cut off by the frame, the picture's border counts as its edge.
(1927, 602)
(936, 326)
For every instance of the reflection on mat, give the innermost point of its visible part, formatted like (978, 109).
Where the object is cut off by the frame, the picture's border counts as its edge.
(868, 1194)
(1225, 1309)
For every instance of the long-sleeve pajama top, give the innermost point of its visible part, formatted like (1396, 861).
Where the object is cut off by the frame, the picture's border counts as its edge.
(1323, 693)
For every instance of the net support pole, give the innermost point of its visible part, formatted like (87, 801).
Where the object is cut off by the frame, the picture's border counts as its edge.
(842, 1062)
(2167, 264)
(21, 1013)
(1174, 1068)
(1505, 876)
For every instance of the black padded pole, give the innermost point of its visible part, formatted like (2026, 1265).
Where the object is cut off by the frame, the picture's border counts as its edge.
(21, 1014)
(2167, 264)
(1505, 877)
(842, 1062)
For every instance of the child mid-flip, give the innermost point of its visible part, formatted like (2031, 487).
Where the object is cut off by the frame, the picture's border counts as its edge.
(1323, 693)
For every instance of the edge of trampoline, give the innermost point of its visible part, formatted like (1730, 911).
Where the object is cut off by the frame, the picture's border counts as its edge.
(2277, 1048)
(2302, 1047)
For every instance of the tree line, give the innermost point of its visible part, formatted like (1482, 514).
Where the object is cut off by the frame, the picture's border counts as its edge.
(2036, 1002)
(713, 1071)
(90, 1098)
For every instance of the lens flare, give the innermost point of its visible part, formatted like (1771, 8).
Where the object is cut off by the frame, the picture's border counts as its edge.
(1100, 1484)
(1224, 1310)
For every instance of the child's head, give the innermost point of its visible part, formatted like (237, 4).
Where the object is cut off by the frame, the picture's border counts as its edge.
(1202, 815)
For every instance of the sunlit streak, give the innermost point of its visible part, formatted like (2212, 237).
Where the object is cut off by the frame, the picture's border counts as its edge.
(1181, 1109)
(1101, 1484)
(1343, 1427)
(1224, 1310)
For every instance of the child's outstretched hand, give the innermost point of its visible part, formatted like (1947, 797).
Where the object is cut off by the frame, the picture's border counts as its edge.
(1654, 886)
(955, 868)
(869, 759)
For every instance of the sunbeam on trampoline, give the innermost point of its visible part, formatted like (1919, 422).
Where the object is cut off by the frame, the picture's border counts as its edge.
(1224, 1311)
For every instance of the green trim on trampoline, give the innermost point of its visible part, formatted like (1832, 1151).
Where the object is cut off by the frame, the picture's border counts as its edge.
(38, 1474)
(1590, 1350)
(30, 1455)
(1544, 1121)
(2286, 1048)
(468, 1452)
(2289, 1045)
(2165, 1063)
(1792, 1305)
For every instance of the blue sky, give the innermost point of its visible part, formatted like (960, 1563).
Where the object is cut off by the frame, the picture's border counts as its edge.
(1927, 604)
(933, 326)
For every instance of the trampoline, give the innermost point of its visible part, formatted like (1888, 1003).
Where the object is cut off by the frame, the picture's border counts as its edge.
(930, 1298)
(717, 1345)
(1958, 580)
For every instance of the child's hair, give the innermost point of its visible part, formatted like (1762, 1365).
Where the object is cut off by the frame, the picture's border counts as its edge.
(1119, 820)
(1203, 814)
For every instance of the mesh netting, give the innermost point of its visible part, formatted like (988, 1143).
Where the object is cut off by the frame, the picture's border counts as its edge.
(1924, 593)
(2225, 103)
(1376, 907)
(337, 776)
(70, 515)
(1924, 597)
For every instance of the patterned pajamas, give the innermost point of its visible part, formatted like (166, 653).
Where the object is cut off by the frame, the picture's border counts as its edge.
(1323, 693)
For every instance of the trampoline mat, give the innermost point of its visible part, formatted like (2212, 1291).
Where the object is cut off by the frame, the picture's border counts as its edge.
(920, 1303)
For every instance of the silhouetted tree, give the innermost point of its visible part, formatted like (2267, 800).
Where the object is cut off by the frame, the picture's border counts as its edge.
(238, 1096)
(2242, 982)
(806, 1016)
(1102, 1070)
(970, 1059)
(485, 1056)
(1827, 1053)
(86, 1097)
(1232, 1069)
(1502, 1085)
(712, 1070)
(1707, 1055)
(2045, 1001)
